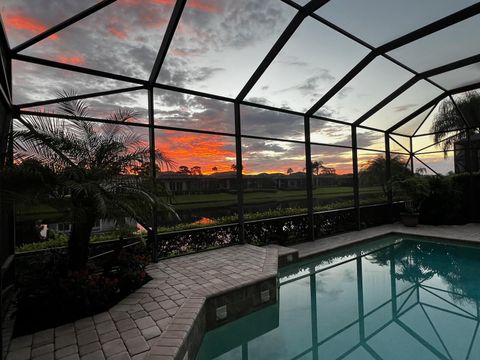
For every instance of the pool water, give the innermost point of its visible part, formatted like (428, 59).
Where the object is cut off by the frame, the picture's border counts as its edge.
(396, 298)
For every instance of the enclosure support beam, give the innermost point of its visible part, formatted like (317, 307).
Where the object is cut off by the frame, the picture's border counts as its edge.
(7, 217)
(98, 6)
(388, 175)
(435, 143)
(356, 190)
(421, 76)
(395, 44)
(411, 155)
(360, 297)
(309, 180)
(6, 99)
(426, 165)
(313, 313)
(78, 97)
(424, 120)
(167, 39)
(307, 10)
(239, 173)
(78, 69)
(386, 100)
(153, 173)
(344, 81)
(417, 112)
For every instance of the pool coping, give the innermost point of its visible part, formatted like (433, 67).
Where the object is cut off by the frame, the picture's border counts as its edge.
(167, 318)
(200, 312)
(182, 338)
(335, 242)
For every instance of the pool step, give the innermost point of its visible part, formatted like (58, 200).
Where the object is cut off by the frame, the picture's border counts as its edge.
(286, 255)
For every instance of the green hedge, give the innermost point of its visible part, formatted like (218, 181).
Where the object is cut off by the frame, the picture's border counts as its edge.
(452, 200)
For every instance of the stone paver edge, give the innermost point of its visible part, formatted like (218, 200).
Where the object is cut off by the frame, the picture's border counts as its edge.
(172, 340)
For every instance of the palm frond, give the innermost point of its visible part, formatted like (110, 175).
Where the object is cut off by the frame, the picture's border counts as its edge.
(123, 115)
(75, 108)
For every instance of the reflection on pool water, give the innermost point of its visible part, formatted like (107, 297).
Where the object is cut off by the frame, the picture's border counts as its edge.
(390, 299)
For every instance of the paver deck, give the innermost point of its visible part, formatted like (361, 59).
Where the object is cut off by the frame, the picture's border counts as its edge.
(132, 328)
(468, 232)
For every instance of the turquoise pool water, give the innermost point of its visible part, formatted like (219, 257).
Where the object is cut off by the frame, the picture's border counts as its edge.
(405, 299)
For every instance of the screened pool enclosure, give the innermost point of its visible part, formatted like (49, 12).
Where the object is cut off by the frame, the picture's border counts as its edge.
(270, 113)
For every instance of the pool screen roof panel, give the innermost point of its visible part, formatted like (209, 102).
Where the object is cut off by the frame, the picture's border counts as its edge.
(376, 63)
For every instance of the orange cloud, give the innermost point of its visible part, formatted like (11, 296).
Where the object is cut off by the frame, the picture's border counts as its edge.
(193, 4)
(152, 20)
(28, 24)
(120, 34)
(202, 150)
(202, 6)
(73, 60)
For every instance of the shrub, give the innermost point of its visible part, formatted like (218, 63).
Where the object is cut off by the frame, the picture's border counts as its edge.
(444, 205)
(50, 294)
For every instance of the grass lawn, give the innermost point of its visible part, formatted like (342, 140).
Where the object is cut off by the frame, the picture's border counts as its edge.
(185, 202)
(217, 200)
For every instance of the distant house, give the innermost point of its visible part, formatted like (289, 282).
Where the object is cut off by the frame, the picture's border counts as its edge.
(180, 183)
(101, 226)
(183, 184)
(460, 160)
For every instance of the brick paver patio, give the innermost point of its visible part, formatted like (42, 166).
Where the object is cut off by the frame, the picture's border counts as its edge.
(132, 328)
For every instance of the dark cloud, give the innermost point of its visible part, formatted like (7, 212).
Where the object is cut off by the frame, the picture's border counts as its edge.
(188, 111)
(369, 138)
(313, 86)
(35, 82)
(344, 92)
(120, 38)
(294, 62)
(240, 23)
(266, 155)
(40, 14)
(406, 107)
(204, 36)
(248, 21)
(260, 122)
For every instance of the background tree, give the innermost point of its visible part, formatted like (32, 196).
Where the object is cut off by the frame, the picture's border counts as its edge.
(91, 164)
(449, 119)
(144, 168)
(196, 170)
(214, 169)
(289, 171)
(184, 170)
(373, 172)
(233, 167)
(329, 171)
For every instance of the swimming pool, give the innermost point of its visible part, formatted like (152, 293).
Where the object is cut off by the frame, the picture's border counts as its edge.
(395, 298)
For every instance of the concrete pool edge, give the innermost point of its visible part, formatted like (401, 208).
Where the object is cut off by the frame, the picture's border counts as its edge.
(210, 307)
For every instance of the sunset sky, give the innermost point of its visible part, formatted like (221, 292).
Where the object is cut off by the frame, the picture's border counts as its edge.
(216, 48)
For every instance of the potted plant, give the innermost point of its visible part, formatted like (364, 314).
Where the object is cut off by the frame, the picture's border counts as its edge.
(416, 189)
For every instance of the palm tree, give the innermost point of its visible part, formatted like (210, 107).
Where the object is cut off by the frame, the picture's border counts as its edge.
(93, 165)
(317, 166)
(373, 172)
(449, 119)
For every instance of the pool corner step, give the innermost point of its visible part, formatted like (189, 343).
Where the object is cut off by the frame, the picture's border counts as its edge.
(286, 255)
